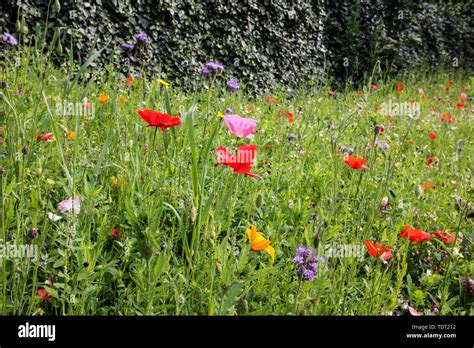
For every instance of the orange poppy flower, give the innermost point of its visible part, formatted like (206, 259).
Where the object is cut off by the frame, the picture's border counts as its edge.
(129, 81)
(427, 186)
(259, 242)
(103, 98)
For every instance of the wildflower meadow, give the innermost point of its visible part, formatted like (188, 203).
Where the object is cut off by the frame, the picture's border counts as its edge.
(126, 194)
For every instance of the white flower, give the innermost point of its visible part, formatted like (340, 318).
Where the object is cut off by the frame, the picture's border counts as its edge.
(54, 217)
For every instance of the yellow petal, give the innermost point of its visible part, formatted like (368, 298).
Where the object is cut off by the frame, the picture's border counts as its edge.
(163, 82)
(269, 249)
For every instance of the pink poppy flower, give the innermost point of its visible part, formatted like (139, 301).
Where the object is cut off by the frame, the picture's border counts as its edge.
(240, 126)
(414, 312)
(67, 205)
(463, 96)
(421, 90)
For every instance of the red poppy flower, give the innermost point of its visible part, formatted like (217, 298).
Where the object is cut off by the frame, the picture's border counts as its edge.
(374, 86)
(377, 250)
(355, 163)
(360, 92)
(447, 237)
(48, 137)
(459, 105)
(269, 100)
(427, 186)
(447, 117)
(432, 135)
(451, 82)
(157, 119)
(129, 81)
(400, 86)
(332, 92)
(114, 232)
(44, 295)
(415, 235)
(242, 163)
(430, 160)
(291, 117)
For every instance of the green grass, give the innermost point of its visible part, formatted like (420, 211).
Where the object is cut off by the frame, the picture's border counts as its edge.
(182, 247)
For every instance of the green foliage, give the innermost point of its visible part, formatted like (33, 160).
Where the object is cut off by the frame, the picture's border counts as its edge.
(261, 43)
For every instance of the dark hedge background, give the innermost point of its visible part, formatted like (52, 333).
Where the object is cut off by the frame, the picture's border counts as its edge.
(261, 43)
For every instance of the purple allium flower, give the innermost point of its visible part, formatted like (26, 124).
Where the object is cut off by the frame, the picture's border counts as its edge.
(469, 285)
(25, 150)
(212, 67)
(142, 38)
(229, 111)
(306, 263)
(127, 46)
(4, 84)
(2, 170)
(291, 137)
(233, 85)
(434, 309)
(8, 39)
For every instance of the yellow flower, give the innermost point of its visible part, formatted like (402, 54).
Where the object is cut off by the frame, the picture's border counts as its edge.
(72, 135)
(118, 181)
(163, 82)
(122, 99)
(259, 242)
(220, 114)
(103, 98)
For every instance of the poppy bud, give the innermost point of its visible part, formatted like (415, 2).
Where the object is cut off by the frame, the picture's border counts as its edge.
(57, 6)
(193, 214)
(86, 264)
(59, 48)
(33, 233)
(379, 129)
(469, 285)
